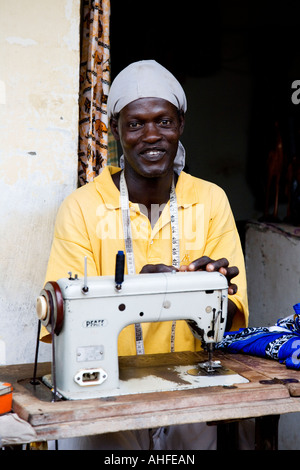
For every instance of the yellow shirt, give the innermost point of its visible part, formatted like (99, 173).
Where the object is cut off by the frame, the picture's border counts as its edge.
(89, 223)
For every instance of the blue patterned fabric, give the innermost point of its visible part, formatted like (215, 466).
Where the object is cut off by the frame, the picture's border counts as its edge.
(280, 342)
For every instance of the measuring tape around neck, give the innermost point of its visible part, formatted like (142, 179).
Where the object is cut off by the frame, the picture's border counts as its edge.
(129, 248)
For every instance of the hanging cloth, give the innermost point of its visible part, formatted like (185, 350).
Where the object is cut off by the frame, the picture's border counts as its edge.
(94, 87)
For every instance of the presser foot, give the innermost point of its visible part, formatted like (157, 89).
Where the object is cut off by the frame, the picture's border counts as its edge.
(209, 367)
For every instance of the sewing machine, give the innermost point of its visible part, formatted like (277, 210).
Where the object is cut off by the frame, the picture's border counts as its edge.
(85, 317)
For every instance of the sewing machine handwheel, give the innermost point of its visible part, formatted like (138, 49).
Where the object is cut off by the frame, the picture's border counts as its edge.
(50, 307)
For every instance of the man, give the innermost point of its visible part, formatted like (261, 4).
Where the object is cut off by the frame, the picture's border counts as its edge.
(170, 219)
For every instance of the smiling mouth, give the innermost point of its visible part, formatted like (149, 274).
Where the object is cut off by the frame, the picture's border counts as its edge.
(153, 154)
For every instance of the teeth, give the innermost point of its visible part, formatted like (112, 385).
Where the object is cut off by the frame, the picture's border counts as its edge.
(153, 152)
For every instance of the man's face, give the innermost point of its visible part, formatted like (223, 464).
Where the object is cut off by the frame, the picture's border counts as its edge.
(149, 130)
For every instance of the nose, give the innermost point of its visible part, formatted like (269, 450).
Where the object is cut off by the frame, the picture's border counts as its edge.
(151, 132)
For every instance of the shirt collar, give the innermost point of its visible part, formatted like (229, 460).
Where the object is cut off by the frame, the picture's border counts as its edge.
(107, 188)
(185, 190)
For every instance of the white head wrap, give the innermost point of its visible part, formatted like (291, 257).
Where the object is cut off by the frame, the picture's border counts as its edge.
(147, 79)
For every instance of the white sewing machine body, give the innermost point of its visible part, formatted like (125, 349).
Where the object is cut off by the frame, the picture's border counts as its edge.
(86, 342)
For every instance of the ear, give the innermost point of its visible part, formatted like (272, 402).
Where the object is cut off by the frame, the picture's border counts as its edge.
(114, 128)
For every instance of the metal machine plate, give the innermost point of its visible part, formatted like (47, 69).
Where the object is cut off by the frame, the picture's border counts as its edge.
(152, 374)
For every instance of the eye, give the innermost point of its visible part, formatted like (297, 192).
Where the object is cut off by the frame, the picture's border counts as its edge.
(134, 125)
(166, 122)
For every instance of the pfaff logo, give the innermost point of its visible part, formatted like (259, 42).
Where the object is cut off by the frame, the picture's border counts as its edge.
(94, 323)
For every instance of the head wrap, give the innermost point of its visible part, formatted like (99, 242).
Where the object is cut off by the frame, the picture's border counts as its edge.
(144, 79)
(147, 79)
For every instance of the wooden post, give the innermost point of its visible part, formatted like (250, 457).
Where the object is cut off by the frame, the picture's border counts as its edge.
(266, 432)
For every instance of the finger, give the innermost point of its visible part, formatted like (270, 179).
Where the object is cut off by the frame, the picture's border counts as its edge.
(223, 271)
(232, 272)
(219, 264)
(183, 268)
(232, 289)
(157, 268)
(199, 264)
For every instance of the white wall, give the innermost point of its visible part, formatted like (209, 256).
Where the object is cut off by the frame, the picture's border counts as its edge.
(39, 80)
(273, 276)
(273, 273)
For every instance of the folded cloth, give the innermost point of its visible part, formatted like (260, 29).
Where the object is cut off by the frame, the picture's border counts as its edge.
(14, 430)
(280, 342)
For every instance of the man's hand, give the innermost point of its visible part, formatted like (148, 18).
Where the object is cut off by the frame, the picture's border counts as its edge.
(157, 268)
(205, 264)
(222, 265)
(201, 264)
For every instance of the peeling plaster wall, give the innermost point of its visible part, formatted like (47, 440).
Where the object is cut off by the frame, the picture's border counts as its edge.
(39, 81)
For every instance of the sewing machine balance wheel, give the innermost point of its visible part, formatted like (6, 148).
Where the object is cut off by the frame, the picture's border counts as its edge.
(49, 307)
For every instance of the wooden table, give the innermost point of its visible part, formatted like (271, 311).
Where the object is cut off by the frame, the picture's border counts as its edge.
(221, 405)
